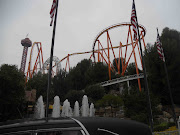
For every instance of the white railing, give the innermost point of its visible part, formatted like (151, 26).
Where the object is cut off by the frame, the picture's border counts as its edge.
(122, 79)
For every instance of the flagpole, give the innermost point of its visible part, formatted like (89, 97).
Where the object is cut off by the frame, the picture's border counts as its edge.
(50, 68)
(145, 77)
(170, 94)
(169, 88)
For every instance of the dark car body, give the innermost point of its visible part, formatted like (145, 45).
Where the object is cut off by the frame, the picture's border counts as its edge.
(75, 126)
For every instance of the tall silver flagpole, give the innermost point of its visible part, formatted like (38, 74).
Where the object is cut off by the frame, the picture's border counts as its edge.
(145, 77)
(169, 88)
(50, 68)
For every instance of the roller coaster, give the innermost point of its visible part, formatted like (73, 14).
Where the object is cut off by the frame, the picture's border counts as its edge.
(103, 50)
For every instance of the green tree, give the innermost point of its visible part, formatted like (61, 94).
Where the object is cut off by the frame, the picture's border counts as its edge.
(12, 92)
(40, 83)
(97, 73)
(60, 84)
(74, 96)
(120, 64)
(94, 92)
(171, 44)
(76, 77)
(131, 70)
(135, 105)
(110, 100)
(156, 74)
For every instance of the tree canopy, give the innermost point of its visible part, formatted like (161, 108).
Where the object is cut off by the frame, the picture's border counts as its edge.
(11, 84)
(95, 92)
(11, 92)
(135, 105)
(40, 83)
(119, 61)
(170, 40)
(85, 73)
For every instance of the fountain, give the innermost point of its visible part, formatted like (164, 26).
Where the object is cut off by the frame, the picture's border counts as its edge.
(56, 107)
(39, 109)
(92, 110)
(66, 109)
(85, 107)
(76, 109)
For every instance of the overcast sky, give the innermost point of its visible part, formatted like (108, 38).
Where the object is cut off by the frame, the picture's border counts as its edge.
(78, 23)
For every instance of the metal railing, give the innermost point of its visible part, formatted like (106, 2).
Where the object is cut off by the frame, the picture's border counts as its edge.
(122, 79)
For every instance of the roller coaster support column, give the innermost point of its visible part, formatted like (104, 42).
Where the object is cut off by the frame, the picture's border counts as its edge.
(145, 77)
(67, 63)
(137, 71)
(50, 68)
(108, 58)
(122, 63)
(119, 59)
(98, 53)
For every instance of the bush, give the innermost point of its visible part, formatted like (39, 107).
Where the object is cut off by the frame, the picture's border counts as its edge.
(110, 100)
(170, 124)
(141, 117)
(161, 127)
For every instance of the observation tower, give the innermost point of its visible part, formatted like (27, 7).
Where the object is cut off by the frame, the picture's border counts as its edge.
(26, 43)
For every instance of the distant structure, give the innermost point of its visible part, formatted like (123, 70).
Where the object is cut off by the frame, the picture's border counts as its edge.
(30, 96)
(26, 43)
(57, 64)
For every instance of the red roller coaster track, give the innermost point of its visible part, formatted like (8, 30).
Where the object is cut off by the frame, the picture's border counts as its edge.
(103, 51)
(38, 62)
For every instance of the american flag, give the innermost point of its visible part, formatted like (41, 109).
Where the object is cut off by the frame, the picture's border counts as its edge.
(134, 21)
(52, 11)
(159, 48)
